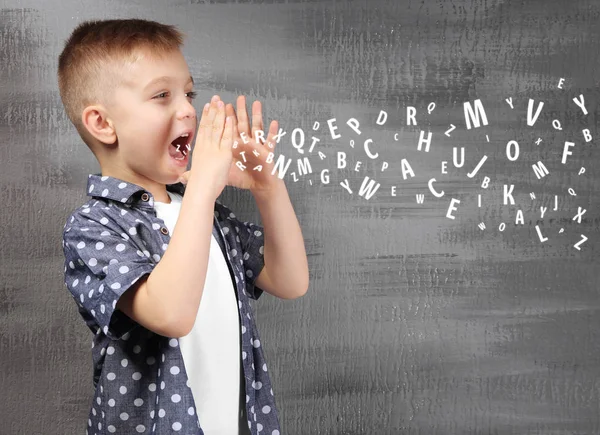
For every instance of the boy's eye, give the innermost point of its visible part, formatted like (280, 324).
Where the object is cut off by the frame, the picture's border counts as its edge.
(191, 94)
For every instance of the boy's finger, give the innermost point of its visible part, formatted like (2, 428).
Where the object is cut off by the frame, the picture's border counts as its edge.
(243, 125)
(257, 123)
(227, 138)
(270, 142)
(230, 111)
(204, 123)
(217, 125)
(210, 117)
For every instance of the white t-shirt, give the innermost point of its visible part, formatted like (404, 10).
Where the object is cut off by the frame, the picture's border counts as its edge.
(211, 351)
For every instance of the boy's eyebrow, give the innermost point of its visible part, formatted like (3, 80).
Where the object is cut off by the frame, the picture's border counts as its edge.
(164, 79)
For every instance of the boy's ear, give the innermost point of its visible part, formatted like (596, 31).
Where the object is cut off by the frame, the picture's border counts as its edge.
(96, 121)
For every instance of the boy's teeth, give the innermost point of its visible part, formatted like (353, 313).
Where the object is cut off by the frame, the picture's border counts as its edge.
(188, 146)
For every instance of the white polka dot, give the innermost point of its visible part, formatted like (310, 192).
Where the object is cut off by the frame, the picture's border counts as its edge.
(122, 185)
(111, 429)
(176, 426)
(150, 360)
(123, 269)
(152, 387)
(175, 398)
(137, 348)
(191, 410)
(80, 245)
(266, 409)
(111, 402)
(140, 428)
(124, 362)
(140, 402)
(123, 389)
(115, 286)
(161, 413)
(136, 376)
(162, 385)
(104, 221)
(99, 246)
(120, 247)
(132, 231)
(173, 343)
(104, 177)
(124, 416)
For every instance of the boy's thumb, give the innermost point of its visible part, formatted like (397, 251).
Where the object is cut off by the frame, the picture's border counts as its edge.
(183, 178)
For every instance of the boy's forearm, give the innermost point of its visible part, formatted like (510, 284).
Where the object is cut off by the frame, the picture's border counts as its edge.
(177, 281)
(284, 250)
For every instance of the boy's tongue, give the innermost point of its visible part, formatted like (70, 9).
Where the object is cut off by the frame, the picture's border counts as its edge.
(174, 153)
(180, 141)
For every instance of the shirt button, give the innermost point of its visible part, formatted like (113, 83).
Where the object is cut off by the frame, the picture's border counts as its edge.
(164, 230)
(145, 197)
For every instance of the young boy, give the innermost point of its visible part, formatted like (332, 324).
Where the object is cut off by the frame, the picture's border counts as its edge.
(162, 272)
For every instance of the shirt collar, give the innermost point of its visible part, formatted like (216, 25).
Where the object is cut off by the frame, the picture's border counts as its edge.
(123, 191)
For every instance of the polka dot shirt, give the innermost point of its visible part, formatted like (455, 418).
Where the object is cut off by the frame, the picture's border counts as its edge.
(139, 377)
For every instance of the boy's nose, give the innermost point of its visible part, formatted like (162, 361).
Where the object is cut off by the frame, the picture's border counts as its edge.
(186, 111)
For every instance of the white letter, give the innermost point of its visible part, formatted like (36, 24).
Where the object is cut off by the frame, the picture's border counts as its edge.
(333, 128)
(531, 121)
(472, 116)
(580, 103)
(371, 155)
(508, 194)
(410, 115)
(566, 151)
(452, 208)
(406, 169)
(430, 184)
(422, 141)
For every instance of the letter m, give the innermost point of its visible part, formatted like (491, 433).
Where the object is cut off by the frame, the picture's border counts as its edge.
(470, 115)
(540, 170)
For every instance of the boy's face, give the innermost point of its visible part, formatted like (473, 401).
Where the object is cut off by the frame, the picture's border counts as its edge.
(147, 115)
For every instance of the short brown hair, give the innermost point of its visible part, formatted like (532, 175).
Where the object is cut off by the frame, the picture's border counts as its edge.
(97, 51)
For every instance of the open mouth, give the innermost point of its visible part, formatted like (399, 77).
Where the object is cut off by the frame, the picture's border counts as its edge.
(180, 147)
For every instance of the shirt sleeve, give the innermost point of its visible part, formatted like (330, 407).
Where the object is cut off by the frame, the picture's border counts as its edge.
(252, 240)
(101, 263)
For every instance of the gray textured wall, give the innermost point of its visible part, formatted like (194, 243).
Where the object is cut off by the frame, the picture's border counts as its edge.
(414, 323)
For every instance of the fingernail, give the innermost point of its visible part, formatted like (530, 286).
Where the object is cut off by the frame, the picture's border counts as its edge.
(206, 106)
(215, 98)
(220, 104)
